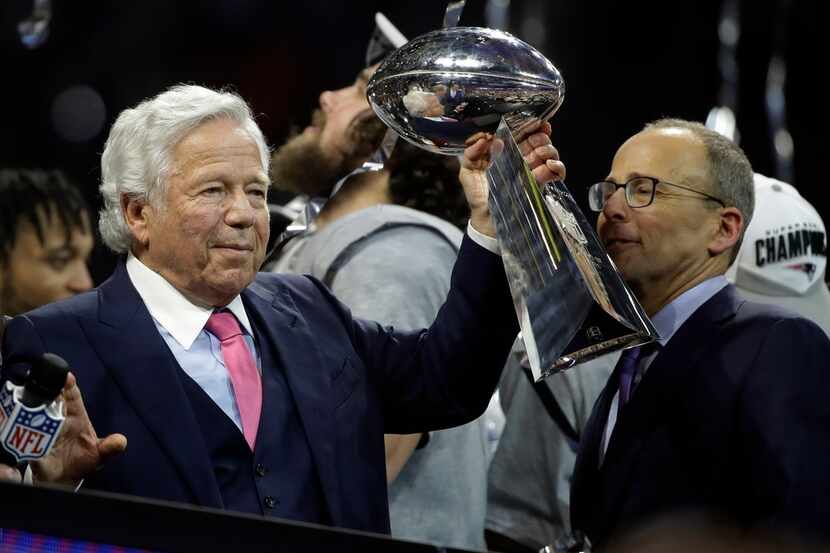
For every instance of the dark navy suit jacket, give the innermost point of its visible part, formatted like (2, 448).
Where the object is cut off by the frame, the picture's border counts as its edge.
(352, 380)
(731, 418)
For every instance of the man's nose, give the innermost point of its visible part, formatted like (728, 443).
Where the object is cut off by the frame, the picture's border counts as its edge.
(240, 212)
(327, 101)
(616, 206)
(81, 280)
(330, 99)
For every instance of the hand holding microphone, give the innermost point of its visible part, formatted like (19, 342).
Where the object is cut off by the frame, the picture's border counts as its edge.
(77, 451)
(45, 422)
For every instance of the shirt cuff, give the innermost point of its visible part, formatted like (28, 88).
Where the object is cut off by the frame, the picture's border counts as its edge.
(486, 242)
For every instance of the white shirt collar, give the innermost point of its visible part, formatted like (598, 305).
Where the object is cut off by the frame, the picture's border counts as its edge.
(181, 318)
(672, 316)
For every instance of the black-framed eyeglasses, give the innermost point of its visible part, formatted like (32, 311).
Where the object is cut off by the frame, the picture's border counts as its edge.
(639, 192)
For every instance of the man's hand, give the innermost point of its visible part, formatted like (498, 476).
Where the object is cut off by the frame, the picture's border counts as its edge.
(78, 451)
(539, 154)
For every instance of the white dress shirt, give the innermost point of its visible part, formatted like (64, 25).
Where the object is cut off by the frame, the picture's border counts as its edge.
(486, 242)
(182, 325)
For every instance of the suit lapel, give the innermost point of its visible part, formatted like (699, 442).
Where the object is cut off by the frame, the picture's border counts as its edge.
(279, 322)
(663, 382)
(130, 347)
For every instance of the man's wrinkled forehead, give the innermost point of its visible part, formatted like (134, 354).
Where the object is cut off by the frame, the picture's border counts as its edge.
(186, 152)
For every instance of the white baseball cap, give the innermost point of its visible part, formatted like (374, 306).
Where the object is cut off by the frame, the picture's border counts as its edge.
(783, 258)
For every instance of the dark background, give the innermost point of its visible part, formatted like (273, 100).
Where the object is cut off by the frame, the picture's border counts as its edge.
(624, 63)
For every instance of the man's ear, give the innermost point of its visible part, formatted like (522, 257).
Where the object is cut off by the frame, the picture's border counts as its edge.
(138, 214)
(729, 230)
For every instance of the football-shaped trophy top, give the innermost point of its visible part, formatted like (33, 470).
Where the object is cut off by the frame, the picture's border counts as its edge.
(445, 86)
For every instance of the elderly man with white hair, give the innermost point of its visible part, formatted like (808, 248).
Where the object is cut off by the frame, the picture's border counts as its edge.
(242, 390)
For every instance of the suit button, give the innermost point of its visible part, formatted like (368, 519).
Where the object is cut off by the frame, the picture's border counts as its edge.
(270, 502)
(260, 470)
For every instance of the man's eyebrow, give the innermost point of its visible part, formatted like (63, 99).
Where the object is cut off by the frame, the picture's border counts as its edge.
(210, 174)
(261, 178)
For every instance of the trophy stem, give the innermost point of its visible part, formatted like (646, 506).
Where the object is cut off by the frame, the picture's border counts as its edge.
(571, 302)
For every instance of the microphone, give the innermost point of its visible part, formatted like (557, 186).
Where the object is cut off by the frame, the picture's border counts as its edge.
(31, 415)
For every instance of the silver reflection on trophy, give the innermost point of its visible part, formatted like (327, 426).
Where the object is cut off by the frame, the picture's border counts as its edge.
(447, 86)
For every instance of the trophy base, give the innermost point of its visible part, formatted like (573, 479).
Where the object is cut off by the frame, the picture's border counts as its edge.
(599, 334)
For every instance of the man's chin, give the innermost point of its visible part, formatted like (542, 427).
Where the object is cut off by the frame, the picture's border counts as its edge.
(226, 285)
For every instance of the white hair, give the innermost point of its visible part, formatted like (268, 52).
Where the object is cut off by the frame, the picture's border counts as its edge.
(137, 156)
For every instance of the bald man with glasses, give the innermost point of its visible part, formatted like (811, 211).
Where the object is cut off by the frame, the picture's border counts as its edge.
(727, 413)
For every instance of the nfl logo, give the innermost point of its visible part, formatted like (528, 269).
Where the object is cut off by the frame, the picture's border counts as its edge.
(28, 434)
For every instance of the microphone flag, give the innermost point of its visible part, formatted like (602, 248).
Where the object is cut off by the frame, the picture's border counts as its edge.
(28, 433)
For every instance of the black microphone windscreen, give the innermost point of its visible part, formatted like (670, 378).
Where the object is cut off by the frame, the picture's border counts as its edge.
(47, 376)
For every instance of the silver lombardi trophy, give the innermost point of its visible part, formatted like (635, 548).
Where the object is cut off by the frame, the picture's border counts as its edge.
(446, 86)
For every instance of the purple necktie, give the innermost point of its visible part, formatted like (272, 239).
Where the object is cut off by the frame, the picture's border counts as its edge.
(247, 386)
(629, 360)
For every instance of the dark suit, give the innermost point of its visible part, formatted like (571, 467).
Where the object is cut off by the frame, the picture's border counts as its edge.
(351, 381)
(732, 417)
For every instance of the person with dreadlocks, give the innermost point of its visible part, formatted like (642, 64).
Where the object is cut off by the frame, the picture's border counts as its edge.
(45, 240)
(385, 244)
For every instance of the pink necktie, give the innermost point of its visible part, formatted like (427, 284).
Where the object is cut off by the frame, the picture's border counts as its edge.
(247, 386)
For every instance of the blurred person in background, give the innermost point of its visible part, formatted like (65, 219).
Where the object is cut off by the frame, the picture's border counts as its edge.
(45, 242)
(45, 239)
(783, 260)
(529, 479)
